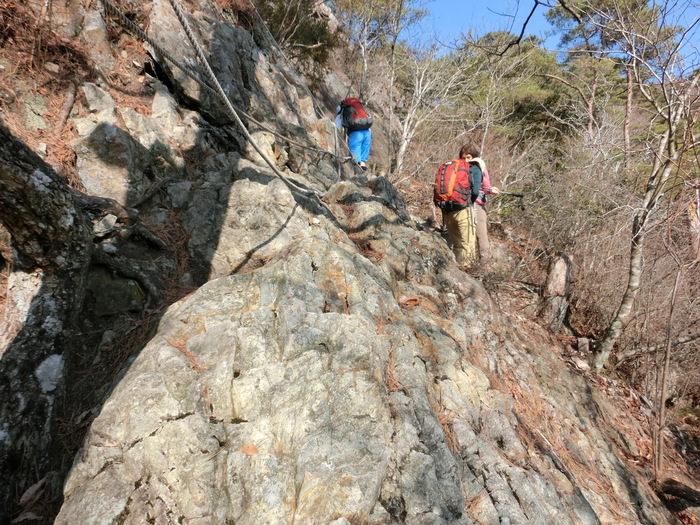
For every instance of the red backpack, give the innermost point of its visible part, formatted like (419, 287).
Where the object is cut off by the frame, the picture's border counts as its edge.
(355, 118)
(452, 184)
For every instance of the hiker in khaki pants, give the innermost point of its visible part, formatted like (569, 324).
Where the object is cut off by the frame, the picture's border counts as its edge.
(457, 185)
(461, 229)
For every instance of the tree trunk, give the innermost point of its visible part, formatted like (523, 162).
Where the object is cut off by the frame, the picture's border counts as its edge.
(389, 135)
(666, 159)
(591, 108)
(694, 223)
(661, 421)
(363, 74)
(555, 299)
(51, 240)
(408, 130)
(401, 155)
(628, 115)
(660, 174)
(614, 331)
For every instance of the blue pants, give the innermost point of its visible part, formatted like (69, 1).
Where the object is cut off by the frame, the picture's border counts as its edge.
(359, 142)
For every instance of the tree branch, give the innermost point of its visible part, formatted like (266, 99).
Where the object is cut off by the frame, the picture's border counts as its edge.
(517, 41)
(566, 8)
(628, 355)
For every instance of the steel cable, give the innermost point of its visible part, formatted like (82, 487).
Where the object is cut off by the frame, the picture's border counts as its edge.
(218, 90)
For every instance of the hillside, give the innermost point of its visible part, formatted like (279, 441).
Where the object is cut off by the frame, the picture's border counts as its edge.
(210, 323)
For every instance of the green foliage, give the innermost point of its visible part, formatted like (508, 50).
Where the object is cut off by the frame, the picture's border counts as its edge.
(611, 28)
(515, 88)
(588, 25)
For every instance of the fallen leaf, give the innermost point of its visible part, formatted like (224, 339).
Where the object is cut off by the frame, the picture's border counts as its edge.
(27, 516)
(249, 449)
(32, 493)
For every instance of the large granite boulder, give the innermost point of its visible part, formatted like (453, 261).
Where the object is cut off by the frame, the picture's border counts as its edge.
(365, 381)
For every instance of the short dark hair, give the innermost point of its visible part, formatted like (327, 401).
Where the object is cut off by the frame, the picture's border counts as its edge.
(469, 149)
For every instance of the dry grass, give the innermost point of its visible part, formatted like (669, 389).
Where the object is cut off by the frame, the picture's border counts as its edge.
(175, 236)
(551, 438)
(548, 437)
(72, 427)
(418, 196)
(40, 63)
(30, 40)
(446, 419)
(242, 6)
(239, 12)
(140, 329)
(392, 382)
(365, 247)
(129, 340)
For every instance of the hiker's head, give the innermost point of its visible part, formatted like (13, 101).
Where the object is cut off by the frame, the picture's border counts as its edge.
(469, 150)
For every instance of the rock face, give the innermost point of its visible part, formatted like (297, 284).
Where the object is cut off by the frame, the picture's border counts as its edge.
(336, 386)
(335, 366)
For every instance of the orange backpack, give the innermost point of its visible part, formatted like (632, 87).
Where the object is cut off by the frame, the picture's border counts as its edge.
(449, 186)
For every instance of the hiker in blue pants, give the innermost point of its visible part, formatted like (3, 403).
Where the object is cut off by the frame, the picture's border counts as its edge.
(351, 115)
(359, 143)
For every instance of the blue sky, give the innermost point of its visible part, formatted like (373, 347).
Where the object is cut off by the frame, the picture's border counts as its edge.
(452, 17)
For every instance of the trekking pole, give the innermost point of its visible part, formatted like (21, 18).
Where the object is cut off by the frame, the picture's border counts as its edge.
(526, 283)
(520, 196)
(534, 285)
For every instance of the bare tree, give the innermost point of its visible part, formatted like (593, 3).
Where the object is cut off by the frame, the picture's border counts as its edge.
(368, 23)
(661, 405)
(660, 73)
(432, 89)
(404, 14)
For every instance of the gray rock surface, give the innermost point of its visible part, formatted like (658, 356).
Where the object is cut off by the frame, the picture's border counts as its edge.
(96, 38)
(329, 385)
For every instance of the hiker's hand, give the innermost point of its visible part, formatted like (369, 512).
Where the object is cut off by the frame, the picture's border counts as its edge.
(494, 190)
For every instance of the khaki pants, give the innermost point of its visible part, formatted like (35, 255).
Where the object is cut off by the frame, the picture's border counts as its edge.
(482, 235)
(461, 229)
